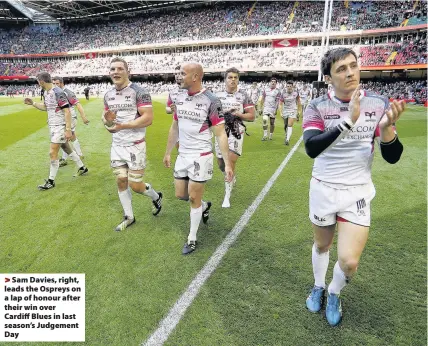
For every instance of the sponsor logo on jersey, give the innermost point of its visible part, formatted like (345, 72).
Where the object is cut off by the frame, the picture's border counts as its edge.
(344, 109)
(127, 98)
(370, 115)
(332, 116)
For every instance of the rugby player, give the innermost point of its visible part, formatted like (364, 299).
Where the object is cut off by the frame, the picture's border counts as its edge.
(59, 120)
(269, 104)
(339, 133)
(128, 150)
(74, 103)
(198, 112)
(238, 104)
(290, 102)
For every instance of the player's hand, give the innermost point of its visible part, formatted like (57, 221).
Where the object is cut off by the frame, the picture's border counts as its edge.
(173, 107)
(110, 117)
(28, 101)
(167, 161)
(393, 114)
(85, 120)
(354, 104)
(228, 173)
(68, 135)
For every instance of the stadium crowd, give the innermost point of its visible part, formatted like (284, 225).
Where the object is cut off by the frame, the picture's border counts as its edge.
(407, 90)
(224, 19)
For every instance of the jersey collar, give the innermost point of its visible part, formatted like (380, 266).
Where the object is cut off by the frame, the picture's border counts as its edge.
(332, 96)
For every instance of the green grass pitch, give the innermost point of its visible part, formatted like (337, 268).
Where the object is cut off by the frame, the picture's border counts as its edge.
(257, 295)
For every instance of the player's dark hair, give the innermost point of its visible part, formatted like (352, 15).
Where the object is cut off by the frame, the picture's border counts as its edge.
(117, 59)
(231, 70)
(289, 82)
(44, 77)
(232, 125)
(334, 55)
(177, 67)
(273, 78)
(59, 79)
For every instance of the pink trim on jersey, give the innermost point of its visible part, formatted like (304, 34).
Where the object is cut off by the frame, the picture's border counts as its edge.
(106, 108)
(215, 120)
(249, 105)
(74, 102)
(169, 102)
(197, 92)
(140, 141)
(207, 153)
(341, 219)
(175, 116)
(141, 104)
(377, 131)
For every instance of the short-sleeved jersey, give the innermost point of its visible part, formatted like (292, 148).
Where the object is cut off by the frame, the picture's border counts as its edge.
(125, 104)
(239, 101)
(349, 161)
(272, 97)
(72, 100)
(195, 115)
(289, 100)
(254, 94)
(55, 101)
(305, 95)
(172, 96)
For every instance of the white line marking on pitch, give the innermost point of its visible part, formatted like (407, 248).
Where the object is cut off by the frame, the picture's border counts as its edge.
(168, 324)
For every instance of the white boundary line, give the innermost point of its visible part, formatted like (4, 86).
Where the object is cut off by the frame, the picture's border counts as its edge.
(168, 323)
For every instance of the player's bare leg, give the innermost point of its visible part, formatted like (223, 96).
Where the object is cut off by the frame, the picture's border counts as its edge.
(233, 158)
(54, 166)
(265, 127)
(351, 241)
(272, 127)
(323, 239)
(285, 129)
(289, 130)
(66, 147)
(136, 183)
(199, 209)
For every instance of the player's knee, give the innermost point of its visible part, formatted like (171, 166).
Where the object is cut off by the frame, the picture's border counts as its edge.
(348, 265)
(265, 119)
(322, 248)
(121, 174)
(181, 197)
(135, 180)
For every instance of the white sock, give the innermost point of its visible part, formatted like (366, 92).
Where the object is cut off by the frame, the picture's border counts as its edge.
(76, 159)
(339, 280)
(149, 192)
(195, 220)
(265, 133)
(64, 155)
(228, 189)
(77, 149)
(319, 266)
(126, 201)
(53, 169)
(270, 135)
(289, 132)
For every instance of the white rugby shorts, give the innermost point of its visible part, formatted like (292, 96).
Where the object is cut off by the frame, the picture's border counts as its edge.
(57, 133)
(327, 204)
(235, 145)
(133, 156)
(196, 168)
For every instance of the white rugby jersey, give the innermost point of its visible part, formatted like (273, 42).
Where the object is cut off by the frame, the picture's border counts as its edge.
(172, 96)
(349, 161)
(305, 95)
(289, 100)
(254, 94)
(195, 115)
(55, 100)
(125, 104)
(238, 101)
(272, 97)
(72, 100)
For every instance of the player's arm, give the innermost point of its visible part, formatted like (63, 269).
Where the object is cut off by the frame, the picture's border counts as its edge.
(82, 113)
(169, 103)
(390, 146)
(172, 140)
(299, 103)
(249, 111)
(316, 139)
(39, 106)
(145, 111)
(262, 101)
(223, 143)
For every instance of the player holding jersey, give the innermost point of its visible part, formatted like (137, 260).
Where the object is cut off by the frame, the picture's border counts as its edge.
(198, 112)
(127, 113)
(74, 103)
(339, 132)
(238, 104)
(59, 120)
(269, 104)
(290, 103)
